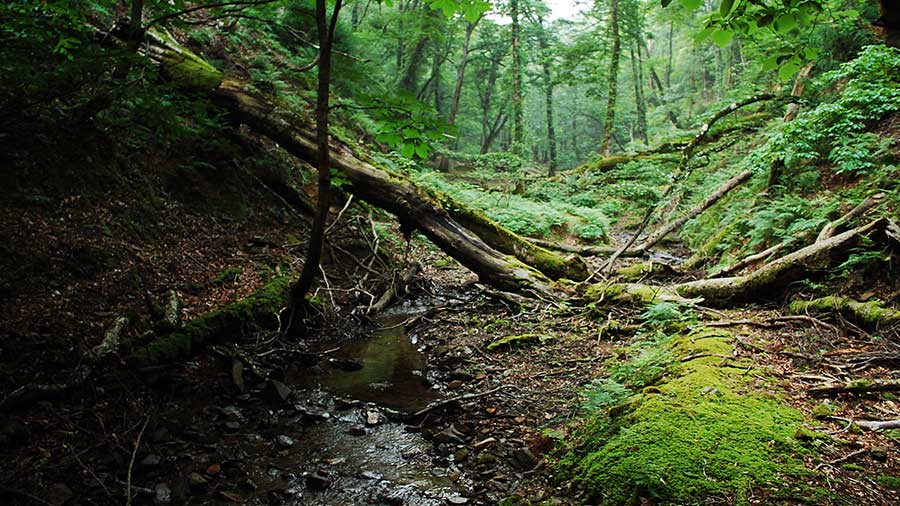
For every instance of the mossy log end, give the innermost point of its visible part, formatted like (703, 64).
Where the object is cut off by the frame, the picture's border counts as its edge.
(552, 264)
(392, 192)
(870, 315)
(259, 311)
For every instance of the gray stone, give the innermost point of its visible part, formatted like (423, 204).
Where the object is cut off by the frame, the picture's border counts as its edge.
(276, 392)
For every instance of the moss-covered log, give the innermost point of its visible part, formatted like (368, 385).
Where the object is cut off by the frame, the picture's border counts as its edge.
(390, 191)
(764, 283)
(259, 311)
(501, 238)
(870, 315)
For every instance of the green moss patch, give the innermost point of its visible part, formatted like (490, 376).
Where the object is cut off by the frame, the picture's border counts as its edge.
(258, 311)
(700, 435)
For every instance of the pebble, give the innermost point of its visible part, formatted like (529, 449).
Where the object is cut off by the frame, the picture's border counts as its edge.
(523, 459)
(356, 430)
(162, 494)
(197, 480)
(283, 441)
(151, 460)
(318, 480)
(276, 392)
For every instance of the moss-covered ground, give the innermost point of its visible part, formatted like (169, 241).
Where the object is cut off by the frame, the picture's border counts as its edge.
(711, 429)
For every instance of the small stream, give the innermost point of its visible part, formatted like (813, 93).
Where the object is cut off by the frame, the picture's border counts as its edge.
(360, 452)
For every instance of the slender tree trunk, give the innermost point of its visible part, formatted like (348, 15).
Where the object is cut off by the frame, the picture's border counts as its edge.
(516, 78)
(436, 62)
(641, 107)
(461, 72)
(670, 55)
(548, 90)
(609, 124)
(317, 238)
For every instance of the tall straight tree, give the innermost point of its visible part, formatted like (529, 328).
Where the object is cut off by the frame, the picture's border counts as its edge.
(606, 142)
(516, 77)
(326, 29)
(544, 45)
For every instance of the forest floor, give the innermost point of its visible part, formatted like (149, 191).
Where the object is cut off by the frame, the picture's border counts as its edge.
(325, 420)
(188, 433)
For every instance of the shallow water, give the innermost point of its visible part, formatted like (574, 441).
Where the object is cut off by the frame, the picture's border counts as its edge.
(393, 372)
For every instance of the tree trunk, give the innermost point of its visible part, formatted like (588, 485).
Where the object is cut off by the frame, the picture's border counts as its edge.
(548, 90)
(609, 124)
(461, 72)
(516, 79)
(764, 283)
(323, 158)
(640, 106)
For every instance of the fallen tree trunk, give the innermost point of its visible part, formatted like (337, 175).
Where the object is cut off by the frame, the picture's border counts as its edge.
(827, 232)
(506, 241)
(392, 192)
(870, 315)
(675, 224)
(768, 280)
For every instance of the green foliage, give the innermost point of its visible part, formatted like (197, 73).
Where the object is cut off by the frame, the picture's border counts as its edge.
(522, 215)
(664, 314)
(604, 393)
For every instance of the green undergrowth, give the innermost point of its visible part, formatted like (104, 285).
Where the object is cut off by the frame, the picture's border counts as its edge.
(256, 312)
(677, 424)
(840, 149)
(524, 215)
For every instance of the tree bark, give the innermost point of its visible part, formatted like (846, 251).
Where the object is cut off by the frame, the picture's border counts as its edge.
(673, 225)
(609, 124)
(326, 29)
(764, 283)
(516, 79)
(390, 191)
(640, 106)
(548, 91)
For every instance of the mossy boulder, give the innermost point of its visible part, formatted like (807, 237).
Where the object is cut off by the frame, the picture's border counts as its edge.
(703, 435)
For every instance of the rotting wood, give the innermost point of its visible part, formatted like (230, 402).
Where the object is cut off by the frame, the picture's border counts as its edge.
(861, 386)
(826, 232)
(686, 155)
(396, 288)
(765, 282)
(458, 398)
(675, 224)
(870, 315)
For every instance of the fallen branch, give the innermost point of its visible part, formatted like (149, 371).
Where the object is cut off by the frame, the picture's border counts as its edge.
(686, 155)
(878, 424)
(673, 225)
(137, 445)
(868, 203)
(827, 232)
(396, 288)
(861, 386)
(453, 400)
(871, 314)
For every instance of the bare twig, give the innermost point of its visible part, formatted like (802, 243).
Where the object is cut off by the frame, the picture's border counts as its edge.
(137, 445)
(458, 398)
